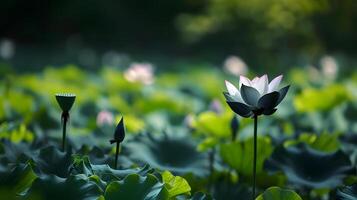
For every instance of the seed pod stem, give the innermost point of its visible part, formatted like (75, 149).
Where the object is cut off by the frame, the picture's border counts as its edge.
(65, 116)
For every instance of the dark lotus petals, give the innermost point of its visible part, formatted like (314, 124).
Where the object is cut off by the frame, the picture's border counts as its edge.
(269, 112)
(283, 91)
(250, 95)
(228, 97)
(269, 101)
(240, 109)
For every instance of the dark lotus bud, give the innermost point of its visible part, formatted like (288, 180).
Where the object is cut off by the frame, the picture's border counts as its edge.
(234, 127)
(65, 101)
(119, 133)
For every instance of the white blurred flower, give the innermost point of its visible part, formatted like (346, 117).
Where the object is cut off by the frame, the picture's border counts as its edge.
(105, 118)
(216, 106)
(329, 67)
(313, 73)
(188, 120)
(235, 66)
(140, 72)
(7, 49)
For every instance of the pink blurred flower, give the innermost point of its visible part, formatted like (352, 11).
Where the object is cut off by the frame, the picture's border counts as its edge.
(216, 106)
(235, 66)
(140, 72)
(105, 118)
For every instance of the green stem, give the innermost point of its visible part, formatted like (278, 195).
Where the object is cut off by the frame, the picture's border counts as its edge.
(255, 154)
(65, 118)
(116, 155)
(211, 168)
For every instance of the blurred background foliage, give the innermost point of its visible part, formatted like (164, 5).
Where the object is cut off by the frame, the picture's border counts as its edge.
(270, 33)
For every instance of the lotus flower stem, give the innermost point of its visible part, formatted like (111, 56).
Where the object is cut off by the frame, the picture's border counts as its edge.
(65, 117)
(255, 154)
(211, 159)
(116, 155)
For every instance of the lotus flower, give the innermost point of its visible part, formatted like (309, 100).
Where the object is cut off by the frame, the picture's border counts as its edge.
(255, 97)
(140, 72)
(105, 118)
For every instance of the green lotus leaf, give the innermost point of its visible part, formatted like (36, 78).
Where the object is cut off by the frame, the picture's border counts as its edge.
(212, 124)
(158, 152)
(201, 196)
(326, 142)
(53, 161)
(65, 101)
(276, 193)
(269, 101)
(82, 165)
(310, 99)
(347, 193)
(15, 153)
(176, 185)
(76, 187)
(307, 167)
(96, 155)
(17, 180)
(250, 95)
(135, 186)
(239, 154)
(228, 189)
(240, 109)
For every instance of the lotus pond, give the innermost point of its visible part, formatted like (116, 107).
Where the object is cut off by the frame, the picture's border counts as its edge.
(182, 140)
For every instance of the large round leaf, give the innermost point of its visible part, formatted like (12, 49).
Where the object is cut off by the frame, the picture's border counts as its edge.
(175, 185)
(201, 196)
(239, 155)
(53, 161)
(347, 193)
(276, 193)
(175, 154)
(82, 165)
(306, 167)
(16, 181)
(135, 186)
(77, 187)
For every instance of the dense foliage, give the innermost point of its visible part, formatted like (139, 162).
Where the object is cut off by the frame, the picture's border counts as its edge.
(179, 142)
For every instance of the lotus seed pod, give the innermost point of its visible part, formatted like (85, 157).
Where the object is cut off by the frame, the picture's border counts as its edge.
(65, 101)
